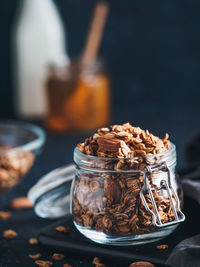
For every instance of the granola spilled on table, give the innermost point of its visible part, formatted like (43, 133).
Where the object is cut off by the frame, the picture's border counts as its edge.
(110, 202)
(9, 234)
(58, 256)
(44, 263)
(5, 215)
(20, 203)
(34, 256)
(162, 247)
(33, 241)
(97, 262)
(62, 229)
(142, 264)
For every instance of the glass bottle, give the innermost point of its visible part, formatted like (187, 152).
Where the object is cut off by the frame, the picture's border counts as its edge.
(38, 40)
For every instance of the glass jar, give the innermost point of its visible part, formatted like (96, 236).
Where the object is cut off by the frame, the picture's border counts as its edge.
(114, 201)
(78, 97)
(126, 201)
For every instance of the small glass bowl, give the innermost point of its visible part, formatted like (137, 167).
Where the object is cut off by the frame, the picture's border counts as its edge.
(20, 143)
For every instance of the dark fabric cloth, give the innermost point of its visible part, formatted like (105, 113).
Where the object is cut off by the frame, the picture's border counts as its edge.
(191, 184)
(187, 252)
(192, 150)
(192, 189)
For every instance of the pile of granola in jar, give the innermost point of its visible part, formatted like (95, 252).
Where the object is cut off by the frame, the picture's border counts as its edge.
(109, 201)
(123, 141)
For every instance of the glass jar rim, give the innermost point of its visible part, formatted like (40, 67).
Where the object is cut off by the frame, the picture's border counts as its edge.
(165, 153)
(82, 159)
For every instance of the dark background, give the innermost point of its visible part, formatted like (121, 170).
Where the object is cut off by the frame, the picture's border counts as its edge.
(152, 51)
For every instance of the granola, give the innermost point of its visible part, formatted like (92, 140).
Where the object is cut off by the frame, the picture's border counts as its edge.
(62, 229)
(97, 262)
(5, 215)
(35, 256)
(9, 234)
(14, 165)
(110, 202)
(142, 264)
(43, 263)
(162, 247)
(20, 203)
(58, 257)
(33, 241)
(123, 141)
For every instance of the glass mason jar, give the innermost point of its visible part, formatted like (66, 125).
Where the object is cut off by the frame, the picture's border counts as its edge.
(78, 97)
(114, 201)
(126, 201)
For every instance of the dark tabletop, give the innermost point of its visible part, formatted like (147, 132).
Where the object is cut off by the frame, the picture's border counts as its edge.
(57, 152)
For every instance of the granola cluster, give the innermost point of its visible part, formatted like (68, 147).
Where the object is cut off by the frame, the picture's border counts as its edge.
(13, 166)
(142, 264)
(123, 141)
(110, 202)
(9, 234)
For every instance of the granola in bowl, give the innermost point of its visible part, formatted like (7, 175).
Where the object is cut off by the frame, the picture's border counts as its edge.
(13, 166)
(111, 169)
(20, 143)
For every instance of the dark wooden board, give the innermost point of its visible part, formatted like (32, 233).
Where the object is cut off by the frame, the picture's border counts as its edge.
(77, 244)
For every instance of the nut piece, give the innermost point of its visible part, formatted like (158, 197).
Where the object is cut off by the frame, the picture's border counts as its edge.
(58, 257)
(43, 263)
(161, 247)
(107, 222)
(96, 260)
(5, 215)
(141, 264)
(108, 144)
(34, 256)
(33, 241)
(9, 234)
(21, 203)
(67, 265)
(62, 229)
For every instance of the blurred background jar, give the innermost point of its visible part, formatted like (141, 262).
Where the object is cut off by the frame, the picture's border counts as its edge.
(38, 40)
(78, 96)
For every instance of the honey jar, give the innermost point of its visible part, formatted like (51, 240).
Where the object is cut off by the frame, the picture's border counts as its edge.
(78, 97)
